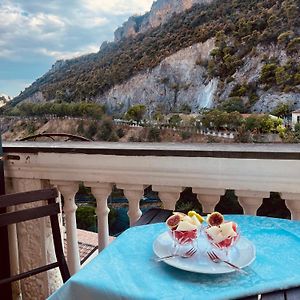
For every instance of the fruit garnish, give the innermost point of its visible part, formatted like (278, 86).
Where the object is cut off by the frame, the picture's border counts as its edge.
(192, 213)
(185, 226)
(215, 219)
(180, 214)
(173, 221)
(222, 234)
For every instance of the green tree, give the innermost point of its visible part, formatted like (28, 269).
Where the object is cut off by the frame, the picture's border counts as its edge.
(136, 112)
(267, 74)
(233, 104)
(235, 120)
(261, 124)
(215, 118)
(282, 76)
(282, 110)
(175, 120)
(86, 217)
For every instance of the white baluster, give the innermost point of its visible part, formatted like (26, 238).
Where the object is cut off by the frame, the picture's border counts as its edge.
(251, 200)
(101, 191)
(208, 198)
(69, 190)
(292, 202)
(133, 193)
(169, 195)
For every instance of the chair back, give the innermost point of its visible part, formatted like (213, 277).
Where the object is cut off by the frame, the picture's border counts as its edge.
(51, 209)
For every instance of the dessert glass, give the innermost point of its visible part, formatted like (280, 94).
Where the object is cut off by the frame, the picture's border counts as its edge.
(223, 248)
(184, 238)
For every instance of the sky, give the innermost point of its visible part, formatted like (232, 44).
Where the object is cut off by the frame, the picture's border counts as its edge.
(36, 33)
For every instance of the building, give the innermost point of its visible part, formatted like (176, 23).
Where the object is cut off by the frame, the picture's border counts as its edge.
(295, 117)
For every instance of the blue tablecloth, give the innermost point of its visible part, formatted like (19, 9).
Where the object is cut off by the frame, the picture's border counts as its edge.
(126, 270)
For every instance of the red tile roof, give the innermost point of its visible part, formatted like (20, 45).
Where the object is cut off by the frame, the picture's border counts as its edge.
(87, 242)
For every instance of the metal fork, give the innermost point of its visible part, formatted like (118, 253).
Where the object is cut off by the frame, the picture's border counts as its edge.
(216, 259)
(187, 254)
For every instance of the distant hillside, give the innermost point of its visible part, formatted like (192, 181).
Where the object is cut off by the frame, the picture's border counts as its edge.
(161, 11)
(254, 56)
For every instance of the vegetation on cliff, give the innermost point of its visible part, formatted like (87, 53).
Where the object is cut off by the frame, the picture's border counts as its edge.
(238, 25)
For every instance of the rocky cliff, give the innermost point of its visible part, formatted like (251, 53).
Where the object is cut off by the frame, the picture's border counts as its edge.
(4, 99)
(236, 50)
(180, 80)
(161, 11)
(176, 81)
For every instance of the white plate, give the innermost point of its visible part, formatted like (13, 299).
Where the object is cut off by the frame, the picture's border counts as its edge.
(242, 255)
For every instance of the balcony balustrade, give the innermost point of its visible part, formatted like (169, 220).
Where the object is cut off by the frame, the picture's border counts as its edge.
(252, 171)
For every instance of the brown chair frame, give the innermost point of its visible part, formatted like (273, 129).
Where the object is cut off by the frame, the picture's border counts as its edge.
(52, 209)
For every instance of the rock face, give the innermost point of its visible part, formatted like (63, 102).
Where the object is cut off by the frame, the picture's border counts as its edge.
(4, 99)
(177, 80)
(250, 73)
(161, 11)
(268, 101)
(35, 98)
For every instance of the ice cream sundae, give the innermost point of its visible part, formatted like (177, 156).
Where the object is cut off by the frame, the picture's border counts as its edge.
(221, 233)
(184, 228)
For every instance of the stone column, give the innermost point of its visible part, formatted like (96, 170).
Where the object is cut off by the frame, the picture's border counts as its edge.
(251, 200)
(169, 195)
(292, 202)
(101, 191)
(133, 193)
(68, 189)
(208, 198)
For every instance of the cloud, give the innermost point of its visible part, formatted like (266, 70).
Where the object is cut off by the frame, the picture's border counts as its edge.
(67, 54)
(36, 33)
(118, 7)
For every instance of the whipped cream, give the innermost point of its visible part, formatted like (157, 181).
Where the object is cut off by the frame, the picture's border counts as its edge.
(220, 233)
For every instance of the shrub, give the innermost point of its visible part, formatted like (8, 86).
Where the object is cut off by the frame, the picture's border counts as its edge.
(31, 128)
(233, 104)
(106, 131)
(86, 217)
(239, 90)
(136, 112)
(185, 108)
(185, 135)
(261, 124)
(80, 128)
(294, 45)
(282, 110)
(154, 135)
(267, 75)
(285, 37)
(175, 120)
(120, 132)
(297, 128)
(92, 130)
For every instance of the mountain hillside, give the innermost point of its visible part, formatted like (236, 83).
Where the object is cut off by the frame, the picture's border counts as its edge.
(161, 11)
(210, 53)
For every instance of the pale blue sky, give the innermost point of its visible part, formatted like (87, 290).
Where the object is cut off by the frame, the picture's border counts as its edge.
(36, 33)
